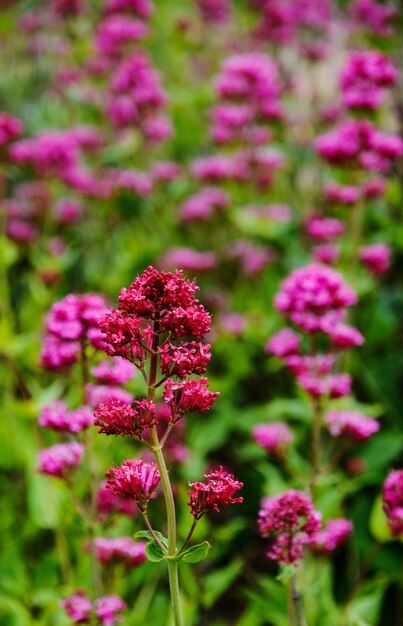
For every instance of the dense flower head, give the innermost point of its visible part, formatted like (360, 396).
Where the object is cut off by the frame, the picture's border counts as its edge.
(251, 77)
(10, 127)
(335, 532)
(333, 386)
(374, 16)
(120, 549)
(375, 257)
(69, 323)
(327, 253)
(365, 77)
(284, 343)
(188, 396)
(203, 204)
(105, 608)
(314, 297)
(124, 336)
(188, 259)
(61, 459)
(119, 418)
(57, 417)
(183, 360)
(167, 299)
(342, 194)
(108, 608)
(275, 438)
(324, 228)
(116, 32)
(138, 98)
(218, 491)
(134, 478)
(289, 521)
(344, 336)
(116, 372)
(351, 424)
(358, 143)
(108, 503)
(78, 607)
(392, 496)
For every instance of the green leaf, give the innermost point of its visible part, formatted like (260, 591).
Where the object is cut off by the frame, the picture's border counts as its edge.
(154, 552)
(147, 535)
(195, 554)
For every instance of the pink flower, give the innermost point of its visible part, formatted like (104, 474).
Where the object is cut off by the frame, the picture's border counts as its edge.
(57, 417)
(365, 77)
(289, 521)
(185, 359)
(116, 372)
(344, 336)
(136, 479)
(342, 194)
(202, 205)
(327, 253)
(351, 424)
(275, 438)
(95, 394)
(218, 491)
(116, 32)
(61, 459)
(375, 257)
(284, 343)
(107, 609)
(188, 396)
(314, 297)
(69, 323)
(331, 536)
(121, 549)
(78, 607)
(324, 229)
(68, 211)
(392, 496)
(10, 127)
(374, 16)
(253, 258)
(118, 418)
(188, 259)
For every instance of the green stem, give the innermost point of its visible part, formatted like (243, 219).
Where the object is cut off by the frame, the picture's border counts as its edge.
(166, 486)
(174, 589)
(189, 536)
(297, 603)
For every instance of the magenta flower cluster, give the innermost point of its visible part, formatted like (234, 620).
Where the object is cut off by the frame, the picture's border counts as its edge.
(392, 496)
(107, 609)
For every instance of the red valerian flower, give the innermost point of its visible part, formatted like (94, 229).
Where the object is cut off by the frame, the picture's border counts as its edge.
(134, 478)
(216, 492)
(119, 418)
(188, 396)
(289, 521)
(189, 358)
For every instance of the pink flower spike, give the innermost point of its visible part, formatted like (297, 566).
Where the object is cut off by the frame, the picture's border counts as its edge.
(289, 521)
(216, 492)
(344, 336)
(331, 536)
(284, 343)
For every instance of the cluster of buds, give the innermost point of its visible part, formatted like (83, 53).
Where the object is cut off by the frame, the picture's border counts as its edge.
(107, 609)
(392, 496)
